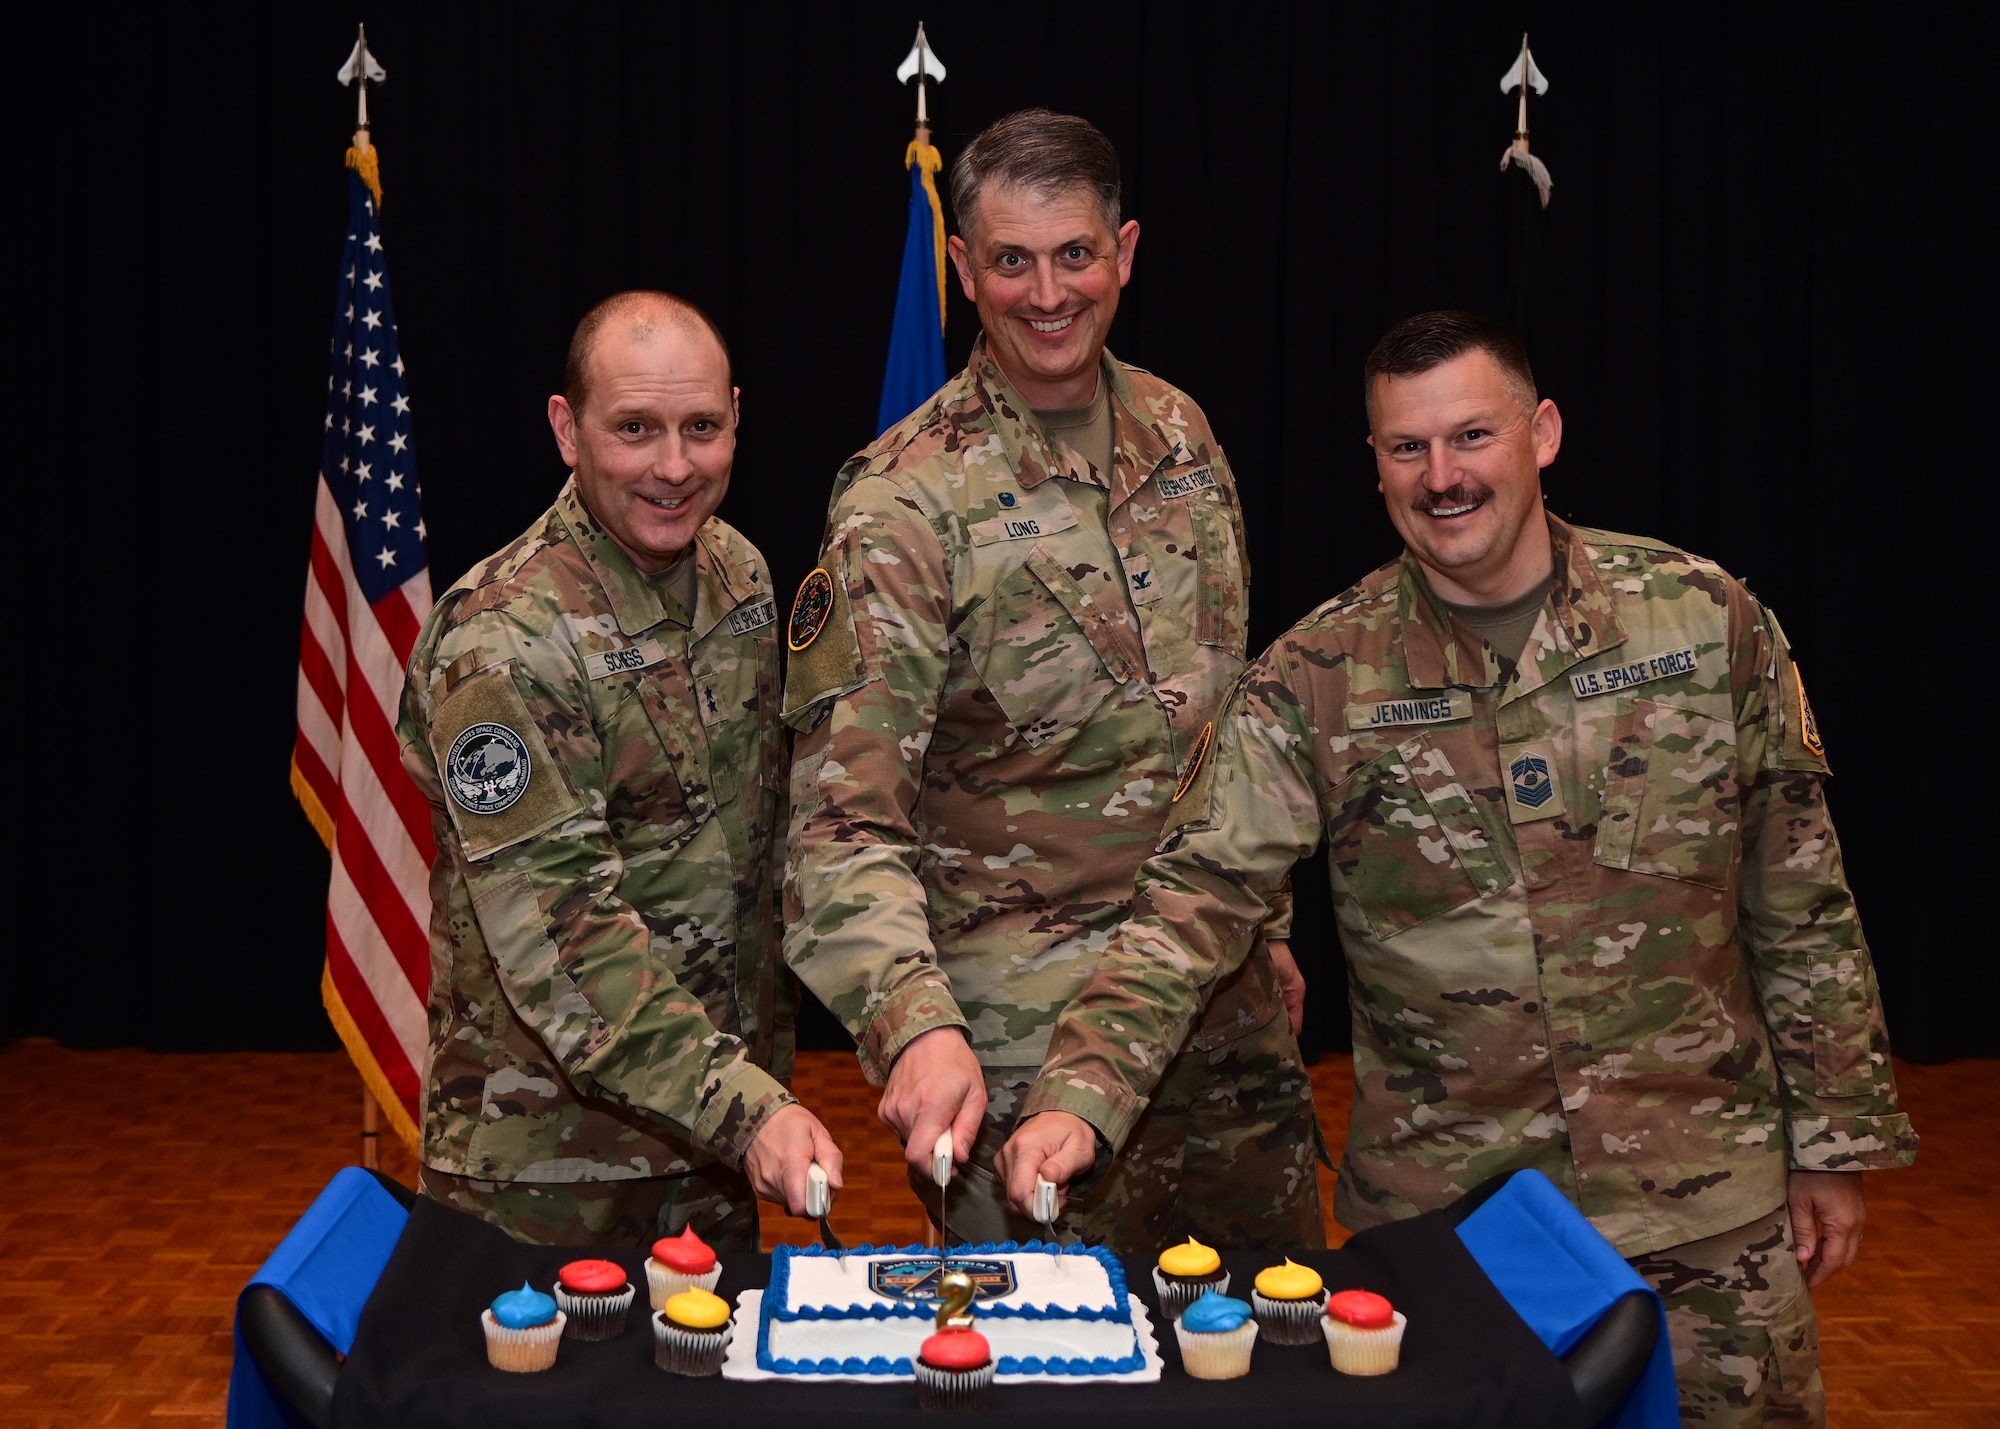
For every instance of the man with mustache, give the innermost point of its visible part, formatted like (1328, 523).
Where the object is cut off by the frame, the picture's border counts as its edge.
(1029, 608)
(1594, 913)
(592, 713)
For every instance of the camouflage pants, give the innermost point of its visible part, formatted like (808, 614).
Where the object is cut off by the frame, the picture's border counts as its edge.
(1745, 1340)
(637, 1211)
(1224, 1152)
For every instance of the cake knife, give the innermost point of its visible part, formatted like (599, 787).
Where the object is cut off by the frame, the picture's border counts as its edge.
(1045, 1213)
(941, 1162)
(819, 1205)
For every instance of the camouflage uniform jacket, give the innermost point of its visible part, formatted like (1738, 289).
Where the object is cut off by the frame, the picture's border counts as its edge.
(603, 943)
(1594, 914)
(1019, 653)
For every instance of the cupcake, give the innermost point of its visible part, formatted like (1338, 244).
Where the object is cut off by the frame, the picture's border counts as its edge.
(680, 1262)
(954, 1370)
(1184, 1273)
(523, 1330)
(1216, 1335)
(690, 1333)
(1364, 1332)
(1289, 1299)
(596, 1297)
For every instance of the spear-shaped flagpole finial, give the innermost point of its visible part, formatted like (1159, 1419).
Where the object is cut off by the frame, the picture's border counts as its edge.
(1522, 73)
(923, 63)
(358, 71)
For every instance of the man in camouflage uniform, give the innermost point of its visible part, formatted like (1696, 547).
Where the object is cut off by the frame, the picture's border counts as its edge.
(1029, 608)
(1595, 917)
(592, 713)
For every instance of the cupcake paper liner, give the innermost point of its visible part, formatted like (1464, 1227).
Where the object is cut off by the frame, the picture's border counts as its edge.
(694, 1353)
(1289, 1322)
(522, 1351)
(954, 1388)
(1358, 1351)
(596, 1317)
(1176, 1296)
(663, 1284)
(1217, 1356)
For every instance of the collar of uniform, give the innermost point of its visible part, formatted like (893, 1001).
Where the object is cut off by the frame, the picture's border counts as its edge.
(1138, 447)
(633, 600)
(720, 584)
(1580, 621)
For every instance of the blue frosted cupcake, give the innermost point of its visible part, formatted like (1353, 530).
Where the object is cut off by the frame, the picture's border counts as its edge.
(1216, 1335)
(523, 1330)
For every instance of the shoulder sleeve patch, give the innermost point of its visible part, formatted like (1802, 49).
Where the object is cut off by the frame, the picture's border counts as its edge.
(500, 782)
(825, 652)
(1798, 744)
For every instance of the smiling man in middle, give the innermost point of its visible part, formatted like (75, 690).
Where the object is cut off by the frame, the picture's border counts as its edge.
(1030, 605)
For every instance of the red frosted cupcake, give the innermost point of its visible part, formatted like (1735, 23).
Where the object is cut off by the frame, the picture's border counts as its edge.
(954, 1370)
(596, 1296)
(681, 1262)
(1364, 1332)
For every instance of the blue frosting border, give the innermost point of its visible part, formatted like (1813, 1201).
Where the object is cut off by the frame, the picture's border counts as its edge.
(778, 1292)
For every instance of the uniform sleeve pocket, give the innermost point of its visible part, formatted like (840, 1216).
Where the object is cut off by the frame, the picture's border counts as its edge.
(1219, 562)
(1046, 651)
(1399, 859)
(1671, 798)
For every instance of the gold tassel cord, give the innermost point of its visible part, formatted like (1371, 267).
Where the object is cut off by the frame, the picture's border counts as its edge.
(365, 163)
(933, 163)
(363, 1057)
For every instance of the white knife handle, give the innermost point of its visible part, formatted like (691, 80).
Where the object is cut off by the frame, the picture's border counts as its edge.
(1045, 1202)
(941, 1159)
(819, 1194)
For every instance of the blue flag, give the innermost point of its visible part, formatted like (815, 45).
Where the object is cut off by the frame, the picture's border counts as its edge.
(916, 340)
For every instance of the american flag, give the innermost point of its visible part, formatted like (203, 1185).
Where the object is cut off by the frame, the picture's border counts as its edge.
(368, 590)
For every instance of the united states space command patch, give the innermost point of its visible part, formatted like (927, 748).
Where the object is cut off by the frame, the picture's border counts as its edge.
(810, 608)
(916, 1278)
(488, 769)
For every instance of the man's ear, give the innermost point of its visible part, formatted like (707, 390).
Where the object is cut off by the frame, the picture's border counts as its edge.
(562, 422)
(1548, 427)
(961, 259)
(1128, 244)
(735, 407)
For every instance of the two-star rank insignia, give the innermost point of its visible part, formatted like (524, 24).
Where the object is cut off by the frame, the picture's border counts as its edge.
(810, 608)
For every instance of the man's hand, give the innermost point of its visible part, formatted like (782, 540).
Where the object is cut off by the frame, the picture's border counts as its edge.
(1054, 1145)
(936, 1085)
(788, 1143)
(1291, 982)
(1827, 1215)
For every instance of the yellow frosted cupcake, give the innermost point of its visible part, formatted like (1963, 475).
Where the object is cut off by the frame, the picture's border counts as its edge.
(691, 1333)
(1185, 1273)
(1289, 1299)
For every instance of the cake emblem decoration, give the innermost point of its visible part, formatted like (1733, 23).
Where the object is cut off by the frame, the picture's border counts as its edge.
(916, 1278)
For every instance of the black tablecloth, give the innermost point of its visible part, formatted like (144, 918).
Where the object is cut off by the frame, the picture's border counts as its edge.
(420, 1356)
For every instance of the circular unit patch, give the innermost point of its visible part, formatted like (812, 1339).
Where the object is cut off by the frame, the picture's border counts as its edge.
(810, 608)
(1201, 743)
(488, 768)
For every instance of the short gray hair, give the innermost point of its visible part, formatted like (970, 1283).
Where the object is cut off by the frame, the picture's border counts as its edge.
(1041, 151)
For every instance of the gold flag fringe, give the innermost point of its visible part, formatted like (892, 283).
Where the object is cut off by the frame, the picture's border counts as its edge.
(372, 1075)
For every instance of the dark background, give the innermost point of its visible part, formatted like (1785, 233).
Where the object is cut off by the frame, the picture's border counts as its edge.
(1770, 246)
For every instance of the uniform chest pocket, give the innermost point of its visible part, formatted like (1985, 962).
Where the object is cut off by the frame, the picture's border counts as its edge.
(1407, 840)
(1672, 803)
(1046, 651)
(656, 788)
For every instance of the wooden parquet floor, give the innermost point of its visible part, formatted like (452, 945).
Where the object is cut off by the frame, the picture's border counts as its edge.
(144, 1190)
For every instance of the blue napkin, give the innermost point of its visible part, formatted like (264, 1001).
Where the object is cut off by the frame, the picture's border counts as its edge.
(326, 1266)
(1560, 1276)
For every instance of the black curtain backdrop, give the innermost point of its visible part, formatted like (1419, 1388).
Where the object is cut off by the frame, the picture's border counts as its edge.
(1770, 249)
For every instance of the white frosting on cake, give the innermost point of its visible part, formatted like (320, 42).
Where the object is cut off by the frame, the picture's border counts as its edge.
(1066, 1315)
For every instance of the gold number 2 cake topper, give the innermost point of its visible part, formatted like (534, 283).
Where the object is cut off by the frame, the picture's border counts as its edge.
(955, 1311)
